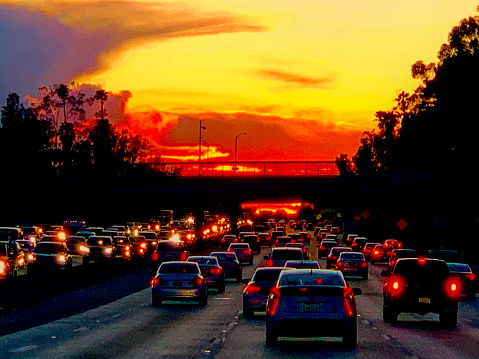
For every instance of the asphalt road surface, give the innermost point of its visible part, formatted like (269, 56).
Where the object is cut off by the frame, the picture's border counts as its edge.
(131, 328)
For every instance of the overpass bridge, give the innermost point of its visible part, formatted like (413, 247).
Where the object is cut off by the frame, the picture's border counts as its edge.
(249, 168)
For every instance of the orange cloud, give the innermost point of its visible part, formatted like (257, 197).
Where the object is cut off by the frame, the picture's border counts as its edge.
(295, 79)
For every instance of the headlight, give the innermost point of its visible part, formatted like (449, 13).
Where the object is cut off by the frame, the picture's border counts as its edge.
(61, 259)
(30, 258)
(62, 236)
(108, 250)
(84, 249)
(154, 243)
(143, 245)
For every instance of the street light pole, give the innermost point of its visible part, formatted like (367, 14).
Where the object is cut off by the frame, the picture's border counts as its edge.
(236, 150)
(199, 149)
(207, 154)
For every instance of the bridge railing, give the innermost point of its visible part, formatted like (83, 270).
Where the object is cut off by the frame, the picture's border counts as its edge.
(251, 169)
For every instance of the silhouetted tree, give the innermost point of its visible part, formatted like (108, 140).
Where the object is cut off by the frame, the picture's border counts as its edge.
(344, 165)
(103, 141)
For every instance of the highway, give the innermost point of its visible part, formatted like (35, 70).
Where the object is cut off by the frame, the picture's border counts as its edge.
(131, 328)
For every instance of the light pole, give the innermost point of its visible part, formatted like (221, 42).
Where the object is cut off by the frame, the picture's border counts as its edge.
(207, 154)
(199, 149)
(236, 149)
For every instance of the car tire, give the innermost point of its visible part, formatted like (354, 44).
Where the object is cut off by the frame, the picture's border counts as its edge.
(156, 302)
(389, 315)
(248, 312)
(448, 318)
(203, 301)
(271, 338)
(350, 338)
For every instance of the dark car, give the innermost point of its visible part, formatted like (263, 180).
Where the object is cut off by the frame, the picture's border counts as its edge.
(101, 248)
(400, 253)
(227, 240)
(447, 255)
(139, 246)
(421, 285)
(230, 264)
(380, 254)
(258, 289)
(325, 247)
(8, 266)
(253, 241)
(169, 251)
(123, 246)
(281, 241)
(466, 277)
(334, 255)
(77, 245)
(211, 271)
(265, 239)
(279, 256)
(50, 256)
(358, 244)
(242, 251)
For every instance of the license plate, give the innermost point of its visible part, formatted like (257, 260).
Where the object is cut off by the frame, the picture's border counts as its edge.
(312, 307)
(187, 292)
(425, 300)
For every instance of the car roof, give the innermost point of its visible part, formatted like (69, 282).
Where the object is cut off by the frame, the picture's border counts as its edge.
(279, 249)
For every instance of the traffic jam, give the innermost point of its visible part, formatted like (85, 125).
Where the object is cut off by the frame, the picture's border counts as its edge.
(304, 284)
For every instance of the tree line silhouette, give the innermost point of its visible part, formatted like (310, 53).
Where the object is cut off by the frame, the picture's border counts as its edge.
(52, 138)
(435, 129)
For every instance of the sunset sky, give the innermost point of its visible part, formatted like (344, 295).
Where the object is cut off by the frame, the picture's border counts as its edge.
(302, 78)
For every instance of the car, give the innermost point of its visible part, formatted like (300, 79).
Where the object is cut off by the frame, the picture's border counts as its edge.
(280, 255)
(353, 263)
(349, 238)
(300, 246)
(359, 243)
(391, 244)
(230, 264)
(334, 255)
(77, 245)
(295, 237)
(151, 238)
(242, 251)
(49, 256)
(312, 303)
(335, 230)
(325, 247)
(420, 285)
(400, 253)
(211, 271)
(31, 233)
(123, 246)
(139, 246)
(8, 265)
(167, 250)
(466, 278)
(368, 248)
(282, 240)
(275, 235)
(85, 234)
(306, 237)
(332, 237)
(258, 289)
(227, 240)
(302, 264)
(253, 241)
(265, 239)
(101, 248)
(178, 281)
(379, 254)
(447, 255)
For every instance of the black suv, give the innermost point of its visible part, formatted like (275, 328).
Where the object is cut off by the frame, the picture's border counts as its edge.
(420, 285)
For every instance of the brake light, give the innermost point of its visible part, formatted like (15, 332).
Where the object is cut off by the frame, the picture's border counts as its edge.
(363, 264)
(339, 264)
(154, 256)
(247, 251)
(452, 288)
(143, 245)
(3, 267)
(196, 281)
(251, 288)
(273, 302)
(322, 248)
(222, 240)
(230, 250)
(396, 286)
(269, 263)
(349, 302)
(421, 261)
(470, 276)
(216, 271)
(154, 281)
(376, 252)
(183, 256)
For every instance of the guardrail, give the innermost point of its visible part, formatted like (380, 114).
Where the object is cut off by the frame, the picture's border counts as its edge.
(250, 169)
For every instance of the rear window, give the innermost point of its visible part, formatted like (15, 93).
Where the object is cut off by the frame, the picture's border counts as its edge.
(431, 269)
(208, 261)
(353, 256)
(239, 246)
(311, 278)
(404, 254)
(179, 268)
(167, 247)
(225, 257)
(287, 254)
(459, 267)
(267, 275)
(3, 250)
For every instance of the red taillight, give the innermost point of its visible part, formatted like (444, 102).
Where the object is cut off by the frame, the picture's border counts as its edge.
(322, 248)
(396, 286)
(363, 264)
(215, 271)
(339, 264)
(230, 250)
(399, 245)
(197, 281)
(223, 240)
(247, 251)
(349, 302)
(183, 256)
(269, 263)
(154, 281)
(452, 287)
(471, 276)
(251, 288)
(273, 302)
(154, 256)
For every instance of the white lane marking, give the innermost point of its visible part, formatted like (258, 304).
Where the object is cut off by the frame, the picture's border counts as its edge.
(221, 298)
(386, 337)
(115, 316)
(364, 321)
(81, 329)
(24, 349)
(54, 337)
(216, 341)
(231, 324)
(375, 328)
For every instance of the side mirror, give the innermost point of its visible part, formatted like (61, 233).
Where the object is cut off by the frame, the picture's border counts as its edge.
(385, 273)
(357, 291)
